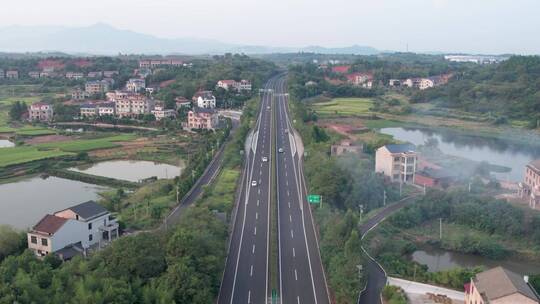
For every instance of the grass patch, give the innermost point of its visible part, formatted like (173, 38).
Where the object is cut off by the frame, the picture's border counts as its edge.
(344, 106)
(19, 155)
(88, 144)
(221, 194)
(31, 131)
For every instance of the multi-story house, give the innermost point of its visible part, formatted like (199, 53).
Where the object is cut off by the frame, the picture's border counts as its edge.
(361, 79)
(95, 74)
(205, 99)
(226, 84)
(33, 74)
(500, 286)
(135, 85)
(130, 104)
(89, 110)
(182, 102)
(397, 162)
(79, 94)
(96, 87)
(160, 112)
(74, 75)
(394, 82)
(243, 85)
(201, 118)
(75, 229)
(12, 74)
(529, 188)
(106, 109)
(110, 74)
(40, 111)
(346, 147)
(412, 82)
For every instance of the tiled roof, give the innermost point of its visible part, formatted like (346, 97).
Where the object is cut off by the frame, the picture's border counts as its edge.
(400, 148)
(49, 224)
(499, 282)
(88, 209)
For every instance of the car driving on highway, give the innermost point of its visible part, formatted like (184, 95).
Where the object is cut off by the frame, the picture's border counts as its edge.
(253, 183)
(280, 150)
(264, 159)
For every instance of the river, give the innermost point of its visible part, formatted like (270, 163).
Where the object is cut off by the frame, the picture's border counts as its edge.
(476, 148)
(439, 259)
(130, 170)
(25, 202)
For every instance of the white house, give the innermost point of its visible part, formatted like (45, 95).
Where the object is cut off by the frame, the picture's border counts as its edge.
(75, 229)
(160, 112)
(397, 162)
(135, 85)
(205, 99)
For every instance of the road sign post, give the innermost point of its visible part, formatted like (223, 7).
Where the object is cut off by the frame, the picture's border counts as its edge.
(315, 199)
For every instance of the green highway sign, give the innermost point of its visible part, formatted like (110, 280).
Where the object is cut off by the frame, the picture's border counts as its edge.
(314, 199)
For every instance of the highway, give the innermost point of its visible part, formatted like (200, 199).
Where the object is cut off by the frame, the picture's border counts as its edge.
(302, 278)
(246, 276)
(245, 279)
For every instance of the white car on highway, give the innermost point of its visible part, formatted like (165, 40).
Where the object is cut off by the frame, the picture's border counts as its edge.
(280, 150)
(253, 183)
(264, 159)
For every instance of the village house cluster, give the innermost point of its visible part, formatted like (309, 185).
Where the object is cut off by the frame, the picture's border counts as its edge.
(366, 79)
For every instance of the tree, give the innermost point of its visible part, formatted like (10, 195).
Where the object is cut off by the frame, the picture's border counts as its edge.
(11, 241)
(16, 110)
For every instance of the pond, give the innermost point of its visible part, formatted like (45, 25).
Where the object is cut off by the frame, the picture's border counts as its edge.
(25, 202)
(439, 259)
(4, 143)
(130, 170)
(476, 148)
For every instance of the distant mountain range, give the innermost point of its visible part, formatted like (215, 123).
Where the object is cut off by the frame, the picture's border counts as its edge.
(103, 39)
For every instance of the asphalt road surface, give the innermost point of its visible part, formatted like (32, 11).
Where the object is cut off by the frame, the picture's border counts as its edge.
(245, 279)
(301, 274)
(376, 275)
(300, 267)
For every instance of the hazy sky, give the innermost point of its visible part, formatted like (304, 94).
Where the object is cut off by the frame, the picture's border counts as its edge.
(483, 26)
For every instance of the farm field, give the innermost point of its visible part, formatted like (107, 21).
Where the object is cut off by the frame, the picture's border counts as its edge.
(19, 155)
(344, 106)
(88, 144)
(23, 154)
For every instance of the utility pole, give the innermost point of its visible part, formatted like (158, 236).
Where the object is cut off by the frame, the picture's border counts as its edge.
(384, 197)
(440, 228)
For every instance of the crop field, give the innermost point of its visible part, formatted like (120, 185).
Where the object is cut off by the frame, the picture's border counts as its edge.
(344, 107)
(19, 155)
(23, 154)
(88, 144)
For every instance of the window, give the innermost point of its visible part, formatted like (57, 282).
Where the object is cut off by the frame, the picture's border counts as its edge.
(90, 237)
(33, 239)
(44, 242)
(89, 226)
